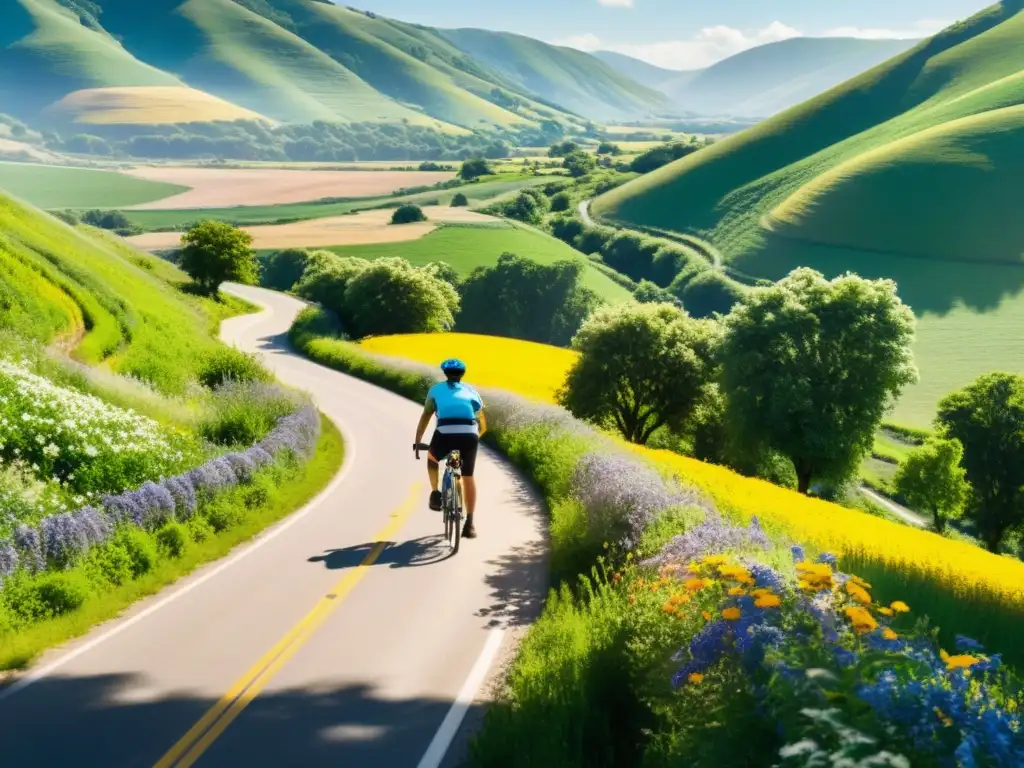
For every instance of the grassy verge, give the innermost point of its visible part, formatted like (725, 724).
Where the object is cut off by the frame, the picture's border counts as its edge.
(220, 525)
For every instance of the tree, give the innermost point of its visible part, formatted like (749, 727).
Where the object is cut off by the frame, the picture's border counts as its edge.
(931, 479)
(987, 417)
(214, 252)
(408, 214)
(705, 291)
(810, 366)
(607, 148)
(283, 269)
(326, 278)
(579, 163)
(474, 168)
(459, 200)
(562, 148)
(521, 299)
(649, 293)
(641, 367)
(656, 157)
(524, 207)
(561, 202)
(391, 296)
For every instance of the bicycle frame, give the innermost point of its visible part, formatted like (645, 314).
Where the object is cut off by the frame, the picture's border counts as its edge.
(451, 495)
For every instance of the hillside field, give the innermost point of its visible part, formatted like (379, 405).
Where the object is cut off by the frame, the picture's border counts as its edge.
(909, 171)
(467, 247)
(51, 186)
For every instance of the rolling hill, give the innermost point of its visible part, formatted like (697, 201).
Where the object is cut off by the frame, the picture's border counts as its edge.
(765, 80)
(575, 80)
(910, 171)
(110, 63)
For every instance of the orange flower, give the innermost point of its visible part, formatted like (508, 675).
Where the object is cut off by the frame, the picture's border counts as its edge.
(695, 585)
(888, 634)
(900, 607)
(863, 622)
(886, 611)
(768, 601)
(706, 615)
(696, 678)
(858, 593)
(737, 591)
(731, 614)
(962, 661)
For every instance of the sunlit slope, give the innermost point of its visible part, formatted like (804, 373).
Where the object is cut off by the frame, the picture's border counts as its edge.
(226, 49)
(47, 53)
(575, 80)
(874, 201)
(394, 62)
(725, 190)
(107, 300)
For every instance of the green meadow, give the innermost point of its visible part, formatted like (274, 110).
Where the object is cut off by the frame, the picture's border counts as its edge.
(51, 186)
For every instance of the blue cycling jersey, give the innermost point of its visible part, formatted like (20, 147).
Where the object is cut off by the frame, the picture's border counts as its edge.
(456, 407)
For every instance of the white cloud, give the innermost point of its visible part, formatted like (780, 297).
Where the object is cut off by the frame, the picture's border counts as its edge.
(616, 3)
(713, 44)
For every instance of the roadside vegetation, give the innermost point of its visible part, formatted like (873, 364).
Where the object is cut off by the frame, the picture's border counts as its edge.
(134, 446)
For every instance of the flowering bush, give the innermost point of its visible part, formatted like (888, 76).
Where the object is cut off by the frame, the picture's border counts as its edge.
(79, 439)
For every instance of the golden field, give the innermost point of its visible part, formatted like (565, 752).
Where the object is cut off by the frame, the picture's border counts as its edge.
(536, 371)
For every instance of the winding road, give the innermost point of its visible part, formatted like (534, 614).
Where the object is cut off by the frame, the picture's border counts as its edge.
(343, 636)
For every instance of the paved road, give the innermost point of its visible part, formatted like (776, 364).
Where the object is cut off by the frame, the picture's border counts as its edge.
(291, 652)
(911, 518)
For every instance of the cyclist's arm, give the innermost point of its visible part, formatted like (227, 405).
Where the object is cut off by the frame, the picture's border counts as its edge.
(428, 411)
(482, 420)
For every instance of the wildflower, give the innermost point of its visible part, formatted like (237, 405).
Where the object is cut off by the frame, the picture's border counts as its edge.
(768, 601)
(798, 554)
(886, 611)
(737, 591)
(859, 581)
(862, 621)
(888, 634)
(900, 607)
(964, 643)
(731, 614)
(715, 560)
(696, 585)
(961, 661)
(828, 559)
(858, 593)
(943, 717)
(696, 678)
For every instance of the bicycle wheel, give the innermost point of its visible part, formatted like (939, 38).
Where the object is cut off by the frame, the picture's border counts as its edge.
(457, 518)
(446, 510)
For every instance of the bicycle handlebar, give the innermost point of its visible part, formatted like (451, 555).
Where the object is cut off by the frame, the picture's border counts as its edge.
(417, 447)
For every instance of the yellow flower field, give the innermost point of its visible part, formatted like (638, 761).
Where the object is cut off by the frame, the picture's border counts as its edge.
(531, 370)
(536, 371)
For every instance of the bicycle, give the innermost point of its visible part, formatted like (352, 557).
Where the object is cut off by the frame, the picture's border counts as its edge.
(451, 495)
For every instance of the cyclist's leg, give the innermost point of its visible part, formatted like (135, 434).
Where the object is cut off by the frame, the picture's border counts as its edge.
(438, 450)
(468, 445)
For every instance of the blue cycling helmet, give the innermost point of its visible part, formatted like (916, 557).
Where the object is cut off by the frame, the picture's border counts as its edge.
(453, 366)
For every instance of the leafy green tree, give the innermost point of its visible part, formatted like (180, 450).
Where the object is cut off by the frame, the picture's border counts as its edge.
(641, 367)
(987, 417)
(459, 200)
(705, 291)
(214, 252)
(521, 299)
(474, 168)
(810, 366)
(408, 214)
(656, 157)
(283, 269)
(561, 202)
(391, 296)
(579, 163)
(326, 278)
(649, 293)
(931, 479)
(524, 207)
(442, 270)
(566, 228)
(607, 148)
(562, 148)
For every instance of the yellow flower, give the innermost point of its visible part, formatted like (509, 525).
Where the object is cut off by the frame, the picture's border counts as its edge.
(943, 655)
(714, 560)
(858, 593)
(733, 572)
(731, 614)
(696, 585)
(888, 634)
(696, 678)
(862, 621)
(706, 615)
(943, 717)
(859, 582)
(962, 661)
(737, 591)
(768, 601)
(669, 607)
(886, 611)
(900, 607)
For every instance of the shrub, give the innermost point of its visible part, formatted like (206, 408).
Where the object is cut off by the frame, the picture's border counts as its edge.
(709, 292)
(140, 549)
(214, 252)
(68, 217)
(243, 413)
(46, 596)
(326, 279)
(459, 200)
(561, 202)
(230, 364)
(283, 269)
(474, 168)
(566, 228)
(391, 296)
(199, 529)
(110, 563)
(593, 239)
(223, 514)
(173, 539)
(408, 214)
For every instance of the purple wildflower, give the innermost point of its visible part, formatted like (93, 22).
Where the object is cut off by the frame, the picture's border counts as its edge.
(157, 502)
(241, 465)
(258, 457)
(125, 507)
(828, 559)
(63, 539)
(30, 547)
(8, 559)
(764, 575)
(713, 535)
(184, 495)
(93, 525)
(222, 467)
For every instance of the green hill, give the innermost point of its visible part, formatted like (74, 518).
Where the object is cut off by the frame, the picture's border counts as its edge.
(575, 80)
(908, 171)
(765, 80)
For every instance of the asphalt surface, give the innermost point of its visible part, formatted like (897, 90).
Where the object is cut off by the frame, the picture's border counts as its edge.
(294, 650)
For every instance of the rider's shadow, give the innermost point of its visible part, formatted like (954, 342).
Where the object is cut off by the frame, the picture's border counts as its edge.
(415, 553)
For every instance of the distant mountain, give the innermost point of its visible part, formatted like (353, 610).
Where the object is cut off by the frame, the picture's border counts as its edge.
(765, 80)
(575, 80)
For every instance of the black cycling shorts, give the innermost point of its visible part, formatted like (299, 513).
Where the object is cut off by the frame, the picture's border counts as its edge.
(441, 445)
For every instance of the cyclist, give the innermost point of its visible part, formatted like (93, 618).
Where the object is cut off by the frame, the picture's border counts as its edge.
(460, 424)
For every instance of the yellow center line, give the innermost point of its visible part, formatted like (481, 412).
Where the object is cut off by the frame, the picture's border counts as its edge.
(193, 744)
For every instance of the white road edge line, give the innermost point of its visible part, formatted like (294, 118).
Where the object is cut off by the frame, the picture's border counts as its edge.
(34, 677)
(450, 725)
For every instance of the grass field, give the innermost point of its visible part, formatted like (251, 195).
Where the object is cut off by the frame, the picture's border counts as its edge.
(107, 300)
(148, 105)
(485, 191)
(49, 186)
(908, 171)
(468, 247)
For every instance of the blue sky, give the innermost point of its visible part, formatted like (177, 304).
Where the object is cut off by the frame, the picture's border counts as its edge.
(682, 33)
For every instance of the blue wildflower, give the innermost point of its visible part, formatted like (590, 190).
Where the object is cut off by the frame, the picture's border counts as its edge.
(798, 554)
(828, 559)
(63, 539)
(966, 644)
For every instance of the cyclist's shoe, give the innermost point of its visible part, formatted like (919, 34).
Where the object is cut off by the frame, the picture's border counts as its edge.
(435, 501)
(469, 530)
